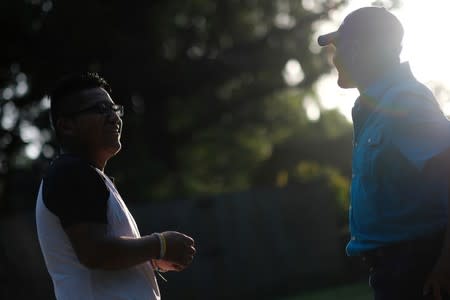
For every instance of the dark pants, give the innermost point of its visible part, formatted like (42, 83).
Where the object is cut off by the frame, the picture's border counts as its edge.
(399, 271)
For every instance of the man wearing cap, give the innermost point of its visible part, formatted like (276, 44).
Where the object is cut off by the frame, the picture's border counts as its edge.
(400, 165)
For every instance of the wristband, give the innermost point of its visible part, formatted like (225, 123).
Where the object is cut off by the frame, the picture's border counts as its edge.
(162, 245)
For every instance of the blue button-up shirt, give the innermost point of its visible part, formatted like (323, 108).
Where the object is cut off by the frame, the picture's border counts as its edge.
(399, 185)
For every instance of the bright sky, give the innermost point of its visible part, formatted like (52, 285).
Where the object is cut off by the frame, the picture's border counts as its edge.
(425, 45)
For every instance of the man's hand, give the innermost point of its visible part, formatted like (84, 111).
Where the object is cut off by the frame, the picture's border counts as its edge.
(179, 251)
(166, 266)
(439, 278)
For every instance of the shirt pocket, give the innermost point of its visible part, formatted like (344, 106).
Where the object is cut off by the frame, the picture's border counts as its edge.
(372, 149)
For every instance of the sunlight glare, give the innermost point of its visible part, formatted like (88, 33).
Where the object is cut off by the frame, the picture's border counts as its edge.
(425, 42)
(33, 150)
(311, 108)
(28, 132)
(8, 93)
(293, 73)
(425, 47)
(284, 21)
(10, 116)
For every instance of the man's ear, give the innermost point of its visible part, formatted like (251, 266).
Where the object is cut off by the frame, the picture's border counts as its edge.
(355, 50)
(65, 126)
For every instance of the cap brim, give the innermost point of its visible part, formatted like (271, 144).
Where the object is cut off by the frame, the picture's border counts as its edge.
(327, 39)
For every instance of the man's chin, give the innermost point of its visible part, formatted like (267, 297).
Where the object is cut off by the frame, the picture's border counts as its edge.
(114, 149)
(345, 83)
(117, 149)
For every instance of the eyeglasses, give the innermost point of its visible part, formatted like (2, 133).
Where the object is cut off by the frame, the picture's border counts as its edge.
(103, 108)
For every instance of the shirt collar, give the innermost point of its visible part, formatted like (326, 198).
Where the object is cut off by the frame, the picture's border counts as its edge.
(395, 75)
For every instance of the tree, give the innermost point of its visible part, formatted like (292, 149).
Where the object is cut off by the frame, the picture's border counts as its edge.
(211, 88)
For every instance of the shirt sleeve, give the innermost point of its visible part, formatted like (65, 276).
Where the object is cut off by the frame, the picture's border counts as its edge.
(418, 128)
(76, 193)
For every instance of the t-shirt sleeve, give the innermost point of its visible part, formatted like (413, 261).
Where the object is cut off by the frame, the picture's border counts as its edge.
(76, 193)
(418, 128)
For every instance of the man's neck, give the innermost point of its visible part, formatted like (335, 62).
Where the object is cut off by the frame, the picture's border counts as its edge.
(97, 162)
(369, 81)
(376, 74)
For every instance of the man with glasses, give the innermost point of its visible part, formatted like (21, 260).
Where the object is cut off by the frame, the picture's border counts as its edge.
(90, 241)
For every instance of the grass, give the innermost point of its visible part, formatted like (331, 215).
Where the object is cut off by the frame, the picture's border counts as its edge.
(359, 291)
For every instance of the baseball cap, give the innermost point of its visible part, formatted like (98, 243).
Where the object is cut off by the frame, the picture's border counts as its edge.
(368, 23)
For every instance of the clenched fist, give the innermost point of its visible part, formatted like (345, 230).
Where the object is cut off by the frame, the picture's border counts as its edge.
(179, 251)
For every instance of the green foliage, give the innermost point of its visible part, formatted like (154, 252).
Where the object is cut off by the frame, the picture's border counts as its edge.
(311, 172)
(207, 107)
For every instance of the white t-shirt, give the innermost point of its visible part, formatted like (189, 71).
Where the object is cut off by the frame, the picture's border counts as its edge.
(71, 279)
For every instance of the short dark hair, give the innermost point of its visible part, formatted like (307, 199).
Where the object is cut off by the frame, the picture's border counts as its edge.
(71, 84)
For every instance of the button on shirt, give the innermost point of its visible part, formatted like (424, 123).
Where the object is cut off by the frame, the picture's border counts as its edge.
(399, 187)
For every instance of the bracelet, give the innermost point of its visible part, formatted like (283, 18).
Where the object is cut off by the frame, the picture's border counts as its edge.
(162, 245)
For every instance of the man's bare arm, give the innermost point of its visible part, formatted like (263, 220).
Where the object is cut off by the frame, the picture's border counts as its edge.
(96, 250)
